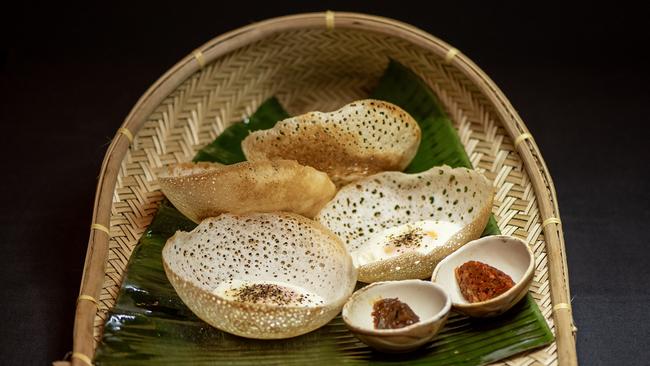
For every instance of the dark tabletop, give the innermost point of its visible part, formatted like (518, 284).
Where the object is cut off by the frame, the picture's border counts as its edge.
(578, 77)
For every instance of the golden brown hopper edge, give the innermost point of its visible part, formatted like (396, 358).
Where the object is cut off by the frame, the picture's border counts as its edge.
(338, 155)
(248, 186)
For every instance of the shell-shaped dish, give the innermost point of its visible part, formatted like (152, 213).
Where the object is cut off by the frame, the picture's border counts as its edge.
(361, 138)
(427, 300)
(508, 254)
(201, 190)
(261, 275)
(440, 209)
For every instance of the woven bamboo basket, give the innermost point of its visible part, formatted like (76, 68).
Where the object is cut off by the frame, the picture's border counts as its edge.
(317, 61)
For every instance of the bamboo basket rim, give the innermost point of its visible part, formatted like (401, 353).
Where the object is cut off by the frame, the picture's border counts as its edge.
(97, 251)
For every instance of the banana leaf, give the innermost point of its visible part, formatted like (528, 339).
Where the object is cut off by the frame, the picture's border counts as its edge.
(149, 324)
(226, 148)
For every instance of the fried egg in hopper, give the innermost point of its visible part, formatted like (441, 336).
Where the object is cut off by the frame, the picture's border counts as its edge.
(200, 190)
(399, 226)
(360, 139)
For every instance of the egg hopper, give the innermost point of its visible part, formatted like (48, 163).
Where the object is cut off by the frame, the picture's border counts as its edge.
(237, 252)
(363, 210)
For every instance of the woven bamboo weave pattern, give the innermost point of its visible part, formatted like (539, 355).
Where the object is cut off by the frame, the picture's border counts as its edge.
(315, 70)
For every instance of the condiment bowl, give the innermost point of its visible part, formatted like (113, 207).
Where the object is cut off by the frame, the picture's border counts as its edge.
(508, 254)
(429, 301)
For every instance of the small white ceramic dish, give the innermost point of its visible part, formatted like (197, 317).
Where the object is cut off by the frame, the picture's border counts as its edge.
(428, 301)
(506, 253)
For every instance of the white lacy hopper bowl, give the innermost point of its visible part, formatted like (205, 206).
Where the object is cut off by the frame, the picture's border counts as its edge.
(261, 275)
(428, 301)
(505, 253)
(398, 226)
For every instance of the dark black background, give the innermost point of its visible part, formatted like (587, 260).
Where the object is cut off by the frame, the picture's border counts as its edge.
(69, 75)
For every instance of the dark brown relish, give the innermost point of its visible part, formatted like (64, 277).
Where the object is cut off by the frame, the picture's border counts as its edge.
(392, 314)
